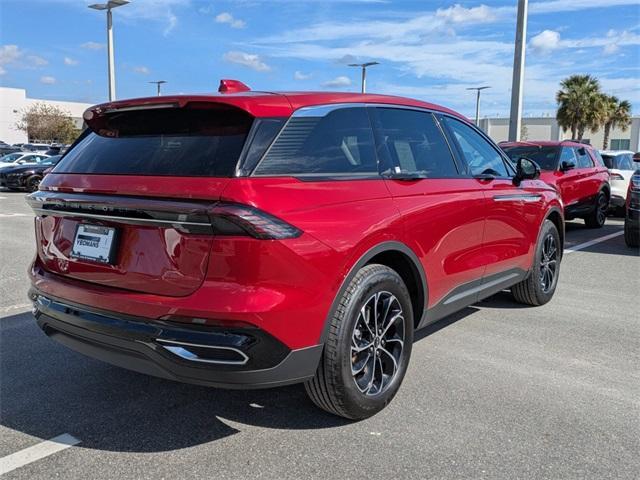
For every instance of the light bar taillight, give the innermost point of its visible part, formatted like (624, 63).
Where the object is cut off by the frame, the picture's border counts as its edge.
(236, 219)
(615, 176)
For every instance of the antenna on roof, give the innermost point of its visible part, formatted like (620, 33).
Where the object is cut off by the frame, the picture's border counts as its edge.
(232, 86)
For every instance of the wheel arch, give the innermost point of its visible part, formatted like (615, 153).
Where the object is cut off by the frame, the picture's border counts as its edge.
(555, 215)
(405, 262)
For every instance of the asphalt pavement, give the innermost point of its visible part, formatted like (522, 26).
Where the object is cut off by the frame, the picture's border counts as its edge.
(496, 391)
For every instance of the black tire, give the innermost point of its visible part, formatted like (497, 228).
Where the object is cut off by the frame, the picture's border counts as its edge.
(33, 183)
(631, 234)
(334, 387)
(598, 216)
(534, 290)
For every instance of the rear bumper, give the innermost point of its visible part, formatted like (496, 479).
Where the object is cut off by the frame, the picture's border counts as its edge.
(219, 357)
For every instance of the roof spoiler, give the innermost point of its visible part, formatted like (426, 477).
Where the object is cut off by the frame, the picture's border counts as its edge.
(232, 86)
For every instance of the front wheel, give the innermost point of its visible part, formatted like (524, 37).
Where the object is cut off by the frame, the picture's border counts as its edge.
(538, 288)
(597, 218)
(368, 346)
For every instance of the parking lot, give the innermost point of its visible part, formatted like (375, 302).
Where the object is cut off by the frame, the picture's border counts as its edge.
(495, 391)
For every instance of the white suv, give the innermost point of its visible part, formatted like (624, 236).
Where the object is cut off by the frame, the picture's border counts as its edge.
(621, 168)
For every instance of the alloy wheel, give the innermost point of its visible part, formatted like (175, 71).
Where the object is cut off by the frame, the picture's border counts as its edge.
(602, 209)
(377, 342)
(548, 263)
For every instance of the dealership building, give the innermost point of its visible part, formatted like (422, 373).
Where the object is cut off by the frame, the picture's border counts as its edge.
(13, 101)
(546, 128)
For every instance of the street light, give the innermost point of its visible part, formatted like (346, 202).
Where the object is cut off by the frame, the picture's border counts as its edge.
(158, 83)
(110, 5)
(478, 89)
(515, 117)
(364, 72)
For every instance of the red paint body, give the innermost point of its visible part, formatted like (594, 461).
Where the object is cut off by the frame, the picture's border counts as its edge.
(286, 287)
(578, 186)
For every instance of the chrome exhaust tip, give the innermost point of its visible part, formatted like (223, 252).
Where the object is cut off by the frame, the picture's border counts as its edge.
(194, 352)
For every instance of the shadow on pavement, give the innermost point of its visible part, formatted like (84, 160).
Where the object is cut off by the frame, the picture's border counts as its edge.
(47, 390)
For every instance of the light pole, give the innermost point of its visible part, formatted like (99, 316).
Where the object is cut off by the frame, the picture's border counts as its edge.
(158, 83)
(515, 117)
(364, 72)
(478, 90)
(110, 5)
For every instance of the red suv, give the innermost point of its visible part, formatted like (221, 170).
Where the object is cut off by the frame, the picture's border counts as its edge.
(576, 170)
(259, 239)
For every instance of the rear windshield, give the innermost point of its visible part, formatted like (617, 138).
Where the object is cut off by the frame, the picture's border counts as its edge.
(623, 161)
(545, 157)
(204, 141)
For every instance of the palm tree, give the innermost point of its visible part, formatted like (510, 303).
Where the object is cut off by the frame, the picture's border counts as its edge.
(615, 113)
(579, 104)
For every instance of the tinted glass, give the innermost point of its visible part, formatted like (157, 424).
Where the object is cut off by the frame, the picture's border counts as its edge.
(415, 142)
(545, 157)
(584, 160)
(340, 142)
(173, 141)
(567, 155)
(480, 155)
(11, 157)
(625, 161)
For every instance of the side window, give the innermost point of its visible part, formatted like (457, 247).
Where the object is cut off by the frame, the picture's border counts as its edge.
(415, 142)
(479, 154)
(567, 155)
(584, 160)
(336, 143)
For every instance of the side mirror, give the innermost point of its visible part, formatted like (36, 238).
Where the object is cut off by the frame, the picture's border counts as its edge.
(21, 162)
(567, 165)
(526, 169)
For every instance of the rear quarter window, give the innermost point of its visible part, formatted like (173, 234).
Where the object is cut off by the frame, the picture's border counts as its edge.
(336, 143)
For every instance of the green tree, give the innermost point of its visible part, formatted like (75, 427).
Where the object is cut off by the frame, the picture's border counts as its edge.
(616, 113)
(580, 104)
(47, 123)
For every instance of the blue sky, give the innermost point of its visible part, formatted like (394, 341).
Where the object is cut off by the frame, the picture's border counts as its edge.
(432, 50)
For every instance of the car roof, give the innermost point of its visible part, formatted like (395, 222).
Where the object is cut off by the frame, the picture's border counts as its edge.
(273, 104)
(613, 153)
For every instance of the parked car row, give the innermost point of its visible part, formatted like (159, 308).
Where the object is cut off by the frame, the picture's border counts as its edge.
(27, 176)
(49, 149)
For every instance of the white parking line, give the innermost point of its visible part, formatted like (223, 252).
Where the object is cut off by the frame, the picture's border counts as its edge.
(9, 215)
(595, 241)
(36, 452)
(3, 198)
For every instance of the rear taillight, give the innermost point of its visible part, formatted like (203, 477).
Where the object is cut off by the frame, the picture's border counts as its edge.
(615, 176)
(235, 219)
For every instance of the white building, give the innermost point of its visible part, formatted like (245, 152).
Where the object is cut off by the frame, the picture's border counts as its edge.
(14, 101)
(546, 128)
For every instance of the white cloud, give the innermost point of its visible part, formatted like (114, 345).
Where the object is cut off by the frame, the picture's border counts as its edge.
(93, 46)
(47, 80)
(459, 14)
(298, 75)
(226, 17)
(70, 62)
(8, 54)
(37, 61)
(142, 70)
(337, 82)
(546, 41)
(249, 60)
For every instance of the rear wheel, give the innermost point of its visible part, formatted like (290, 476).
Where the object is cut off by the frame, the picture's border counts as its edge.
(538, 288)
(597, 218)
(631, 234)
(368, 346)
